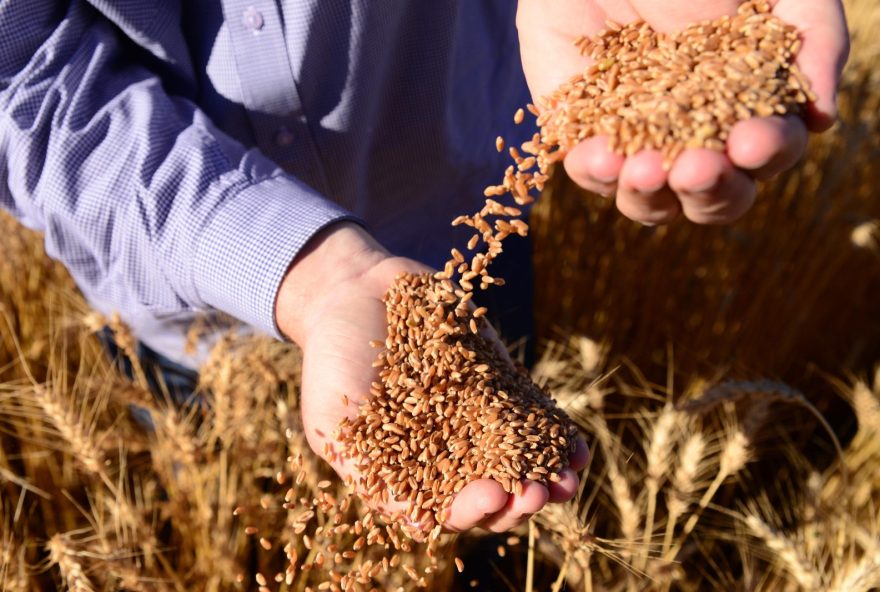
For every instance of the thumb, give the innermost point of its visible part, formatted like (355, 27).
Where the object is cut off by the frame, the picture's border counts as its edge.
(824, 51)
(547, 31)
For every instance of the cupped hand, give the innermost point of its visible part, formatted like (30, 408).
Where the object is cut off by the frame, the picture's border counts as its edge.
(708, 187)
(335, 326)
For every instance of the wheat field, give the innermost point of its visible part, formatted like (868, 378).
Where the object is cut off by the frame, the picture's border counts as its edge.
(724, 378)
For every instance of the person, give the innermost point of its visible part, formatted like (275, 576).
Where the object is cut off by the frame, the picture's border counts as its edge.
(282, 162)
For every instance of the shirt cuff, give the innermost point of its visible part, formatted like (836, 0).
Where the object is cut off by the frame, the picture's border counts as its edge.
(248, 245)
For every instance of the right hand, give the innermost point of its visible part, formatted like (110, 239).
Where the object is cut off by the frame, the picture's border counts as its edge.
(708, 187)
(330, 304)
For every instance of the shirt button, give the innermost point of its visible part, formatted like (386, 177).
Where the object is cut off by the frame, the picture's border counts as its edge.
(253, 19)
(283, 136)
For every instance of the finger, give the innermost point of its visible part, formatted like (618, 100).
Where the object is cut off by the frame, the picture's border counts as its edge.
(474, 503)
(519, 507)
(710, 189)
(642, 194)
(546, 31)
(580, 456)
(593, 167)
(564, 489)
(823, 54)
(767, 146)
(388, 270)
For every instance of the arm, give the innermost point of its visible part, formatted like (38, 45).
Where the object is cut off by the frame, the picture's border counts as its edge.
(151, 207)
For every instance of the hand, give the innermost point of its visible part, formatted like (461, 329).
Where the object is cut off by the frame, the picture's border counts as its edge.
(707, 186)
(331, 304)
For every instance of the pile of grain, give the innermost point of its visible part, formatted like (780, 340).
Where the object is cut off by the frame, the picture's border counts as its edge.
(449, 408)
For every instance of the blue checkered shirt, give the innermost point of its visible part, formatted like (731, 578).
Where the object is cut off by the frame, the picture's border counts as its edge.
(178, 153)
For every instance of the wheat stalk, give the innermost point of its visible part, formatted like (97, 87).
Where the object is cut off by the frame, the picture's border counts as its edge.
(786, 552)
(67, 559)
(684, 481)
(734, 456)
(658, 457)
(862, 576)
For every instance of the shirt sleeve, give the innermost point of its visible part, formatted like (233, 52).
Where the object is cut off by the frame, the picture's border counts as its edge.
(152, 209)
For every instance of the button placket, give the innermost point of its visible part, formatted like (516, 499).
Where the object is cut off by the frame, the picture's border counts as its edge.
(269, 90)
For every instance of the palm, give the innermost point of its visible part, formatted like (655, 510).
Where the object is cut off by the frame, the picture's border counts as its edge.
(707, 186)
(338, 362)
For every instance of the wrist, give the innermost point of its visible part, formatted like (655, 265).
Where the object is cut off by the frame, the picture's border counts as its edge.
(337, 254)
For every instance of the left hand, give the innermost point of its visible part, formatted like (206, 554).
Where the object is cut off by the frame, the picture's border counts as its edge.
(330, 304)
(707, 186)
